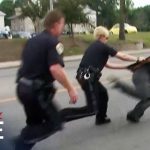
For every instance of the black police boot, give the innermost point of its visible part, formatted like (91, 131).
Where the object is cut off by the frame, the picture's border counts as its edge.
(34, 134)
(20, 145)
(102, 120)
(138, 112)
(134, 117)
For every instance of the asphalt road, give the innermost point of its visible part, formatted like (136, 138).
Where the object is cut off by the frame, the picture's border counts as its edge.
(80, 134)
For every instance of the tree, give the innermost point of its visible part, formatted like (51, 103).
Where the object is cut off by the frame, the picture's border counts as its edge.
(18, 3)
(128, 8)
(143, 24)
(122, 20)
(105, 11)
(73, 11)
(7, 6)
(36, 10)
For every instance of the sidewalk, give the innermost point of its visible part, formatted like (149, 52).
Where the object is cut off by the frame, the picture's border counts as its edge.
(14, 64)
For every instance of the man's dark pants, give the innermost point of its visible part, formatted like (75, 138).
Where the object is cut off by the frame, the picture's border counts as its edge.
(141, 80)
(96, 102)
(101, 97)
(41, 122)
(41, 118)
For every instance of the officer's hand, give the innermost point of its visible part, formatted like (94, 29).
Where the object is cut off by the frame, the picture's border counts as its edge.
(141, 59)
(73, 95)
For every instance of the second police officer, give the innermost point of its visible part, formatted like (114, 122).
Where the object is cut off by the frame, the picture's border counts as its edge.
(90, 71)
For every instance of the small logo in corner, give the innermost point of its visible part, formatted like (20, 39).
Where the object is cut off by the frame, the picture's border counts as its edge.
(1, 124)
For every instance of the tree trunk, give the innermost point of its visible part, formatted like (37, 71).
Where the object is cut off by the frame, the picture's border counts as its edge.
(71, 29)
(122, 20)
(37, 25)
(98, 19)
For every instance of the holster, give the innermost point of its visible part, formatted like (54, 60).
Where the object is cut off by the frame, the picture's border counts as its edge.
(88, 73)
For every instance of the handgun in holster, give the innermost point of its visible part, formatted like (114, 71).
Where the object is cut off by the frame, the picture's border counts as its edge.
(45, 99)
(88, 73)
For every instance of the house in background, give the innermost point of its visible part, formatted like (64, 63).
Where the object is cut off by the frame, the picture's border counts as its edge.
(25, 24)
(88, 27)
(21, 24)
(2, 22)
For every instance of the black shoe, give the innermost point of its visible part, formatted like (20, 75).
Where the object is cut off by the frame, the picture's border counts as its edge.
(34, 134)
(18, 144)
(134, 117)
(101, 121)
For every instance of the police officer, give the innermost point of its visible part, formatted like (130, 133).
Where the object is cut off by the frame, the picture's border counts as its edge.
(42, 64)
(89, 73)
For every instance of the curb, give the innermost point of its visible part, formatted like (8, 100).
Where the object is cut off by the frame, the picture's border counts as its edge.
(15, 64)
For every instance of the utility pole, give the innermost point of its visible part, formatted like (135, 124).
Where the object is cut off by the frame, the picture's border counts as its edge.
(51, 5)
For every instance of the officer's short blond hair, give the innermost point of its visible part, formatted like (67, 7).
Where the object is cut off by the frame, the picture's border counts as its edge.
(100, 31)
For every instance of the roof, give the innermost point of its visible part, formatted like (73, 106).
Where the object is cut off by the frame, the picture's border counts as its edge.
(2, 14)
(14, 17)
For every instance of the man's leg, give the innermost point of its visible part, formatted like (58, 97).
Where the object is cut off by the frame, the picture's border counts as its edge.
(39, 124)
(70, 114)
(138, 111)
(102, 104)
(141, 80)
(42, 121)
(125, 88)
(20, 145)
(96, 100)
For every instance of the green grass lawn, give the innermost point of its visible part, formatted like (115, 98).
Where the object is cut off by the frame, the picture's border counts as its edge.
(11, 49)
(114, 41)
(130, 38)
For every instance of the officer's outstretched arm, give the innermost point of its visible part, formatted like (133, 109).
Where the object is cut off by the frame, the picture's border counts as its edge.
(127, 57)
(60, 75)
(115, 66)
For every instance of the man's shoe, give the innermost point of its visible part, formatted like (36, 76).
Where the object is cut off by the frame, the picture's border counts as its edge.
(19, 144)
(101, 121)
(133, 117)
(33, 134)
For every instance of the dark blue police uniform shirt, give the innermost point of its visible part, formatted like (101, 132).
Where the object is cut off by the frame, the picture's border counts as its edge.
(97, 55)
(38, 55)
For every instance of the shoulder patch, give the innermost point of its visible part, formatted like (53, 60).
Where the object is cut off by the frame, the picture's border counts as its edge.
(60, 48)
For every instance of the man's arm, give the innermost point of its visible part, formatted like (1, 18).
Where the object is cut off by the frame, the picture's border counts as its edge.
(115, 66)
(60, 75)
(127, 57)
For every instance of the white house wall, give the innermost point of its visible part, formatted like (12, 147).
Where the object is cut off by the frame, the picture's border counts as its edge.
(2, 24)
(81, 28)
(29, 27)
(20, 24)
(86, 28)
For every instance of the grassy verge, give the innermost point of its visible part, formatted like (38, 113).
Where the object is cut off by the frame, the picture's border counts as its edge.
(130, 39)
(10, 50)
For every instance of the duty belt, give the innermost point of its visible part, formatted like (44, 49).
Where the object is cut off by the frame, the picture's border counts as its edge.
(35, 83)
(88, 73)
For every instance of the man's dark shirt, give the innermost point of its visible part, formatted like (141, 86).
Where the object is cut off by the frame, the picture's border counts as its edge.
(97, 55)
(38, 55)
